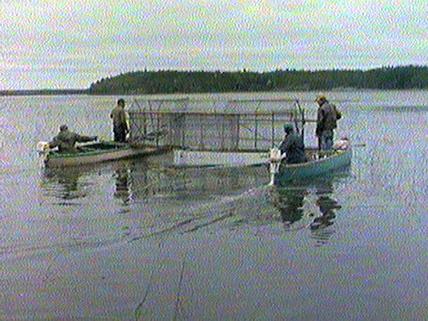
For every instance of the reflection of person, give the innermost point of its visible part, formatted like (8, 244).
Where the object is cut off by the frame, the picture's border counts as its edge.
(292, 146)
(68, 181)
(66, 140)
(326, 122)
(122, 183)
(290, 204)
(120, 126)
(327, 207)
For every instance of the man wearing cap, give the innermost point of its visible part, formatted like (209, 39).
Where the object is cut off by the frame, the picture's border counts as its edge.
(292, 146)
(66, 140)
(120, 126)
(326, 122)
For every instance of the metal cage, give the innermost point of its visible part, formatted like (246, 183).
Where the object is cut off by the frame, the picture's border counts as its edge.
(236, 125)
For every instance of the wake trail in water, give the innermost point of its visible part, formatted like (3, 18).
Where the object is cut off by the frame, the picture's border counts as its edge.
(209, 213)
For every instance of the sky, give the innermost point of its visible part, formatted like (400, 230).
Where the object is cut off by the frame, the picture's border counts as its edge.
(72, 43)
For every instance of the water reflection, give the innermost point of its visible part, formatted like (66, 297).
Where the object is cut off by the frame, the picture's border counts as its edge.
(326, 204)
(328, 208)
(76, 183)
(170, 195)
(290, 204)
(139, 180)
(122, 175)
(151, 180)
(312, 203)
(63, 183)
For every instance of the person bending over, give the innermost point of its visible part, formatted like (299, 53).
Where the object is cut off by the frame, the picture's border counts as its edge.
(66, 140)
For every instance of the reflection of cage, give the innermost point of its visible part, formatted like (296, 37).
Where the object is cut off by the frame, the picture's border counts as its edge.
(212, 125)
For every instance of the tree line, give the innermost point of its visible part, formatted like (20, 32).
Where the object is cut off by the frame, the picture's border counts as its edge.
(170, 81)
(50, 92)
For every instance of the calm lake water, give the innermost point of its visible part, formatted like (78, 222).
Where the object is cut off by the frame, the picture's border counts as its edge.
(140, 240)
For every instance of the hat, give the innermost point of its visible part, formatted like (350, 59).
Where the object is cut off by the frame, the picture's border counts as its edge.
(288, 128)
(320, 98)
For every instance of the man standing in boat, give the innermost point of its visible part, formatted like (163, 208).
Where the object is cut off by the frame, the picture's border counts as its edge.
(292, 146)
(326, 122)
(66, 140)
(120, 126)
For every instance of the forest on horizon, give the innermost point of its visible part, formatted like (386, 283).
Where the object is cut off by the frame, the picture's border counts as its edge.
(172, 81)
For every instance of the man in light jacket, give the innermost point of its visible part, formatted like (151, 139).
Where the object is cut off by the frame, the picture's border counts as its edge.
(120, 126)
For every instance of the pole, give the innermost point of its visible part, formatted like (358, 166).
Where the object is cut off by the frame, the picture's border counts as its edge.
(273, 130)
(238, 132)
(157, 129)
(256, 123)
(302, 116)
(255, 132)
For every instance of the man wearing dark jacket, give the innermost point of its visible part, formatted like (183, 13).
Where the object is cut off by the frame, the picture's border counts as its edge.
(292, 146)
(326, 122)
(120, 127)
(66, 140)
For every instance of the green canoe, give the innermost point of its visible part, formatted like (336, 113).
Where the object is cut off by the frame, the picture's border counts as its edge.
(95, 153)
(314, 167)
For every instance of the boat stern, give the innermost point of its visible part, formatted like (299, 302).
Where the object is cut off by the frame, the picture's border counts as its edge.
(275, 158)
(43, 150)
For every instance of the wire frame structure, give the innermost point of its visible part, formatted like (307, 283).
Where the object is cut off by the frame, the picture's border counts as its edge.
(210, 125)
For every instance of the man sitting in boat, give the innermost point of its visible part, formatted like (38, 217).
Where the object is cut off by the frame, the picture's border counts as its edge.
(120, 126)
(326, 122)
(66, 140)
(292, 146)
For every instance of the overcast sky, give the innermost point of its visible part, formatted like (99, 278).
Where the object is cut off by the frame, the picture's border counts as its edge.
(71, 43)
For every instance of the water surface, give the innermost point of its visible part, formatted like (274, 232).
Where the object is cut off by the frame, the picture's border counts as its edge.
(139, 239)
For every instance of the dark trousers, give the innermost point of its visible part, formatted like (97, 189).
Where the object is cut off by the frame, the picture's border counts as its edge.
(327, 139)
(119, 134)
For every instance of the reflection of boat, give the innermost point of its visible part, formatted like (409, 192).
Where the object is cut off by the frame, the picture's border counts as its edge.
(95, 153)
(69, 183)
(64, 183)
(316, 166)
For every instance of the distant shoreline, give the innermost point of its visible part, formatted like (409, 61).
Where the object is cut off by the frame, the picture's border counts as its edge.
(44, 92)
(165, 82)
(60, 92)
(174, 81)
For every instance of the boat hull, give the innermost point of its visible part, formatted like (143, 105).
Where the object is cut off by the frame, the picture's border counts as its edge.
(96, 153)
(292, 172)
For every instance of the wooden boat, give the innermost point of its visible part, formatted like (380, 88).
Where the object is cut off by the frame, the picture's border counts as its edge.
(95, 153)
(317, 165)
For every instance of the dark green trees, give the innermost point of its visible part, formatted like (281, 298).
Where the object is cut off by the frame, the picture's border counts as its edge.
(166, 81)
